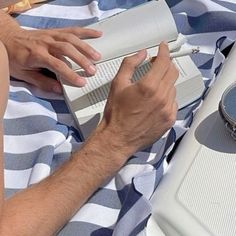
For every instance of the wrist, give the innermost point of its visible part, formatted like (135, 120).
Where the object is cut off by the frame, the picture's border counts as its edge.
(105, 148)
(9, 27)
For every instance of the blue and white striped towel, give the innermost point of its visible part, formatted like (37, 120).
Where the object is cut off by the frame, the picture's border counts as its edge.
(40, 132)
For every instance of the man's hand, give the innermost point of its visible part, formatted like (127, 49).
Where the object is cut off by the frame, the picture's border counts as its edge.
(31, 50)
(138, 113)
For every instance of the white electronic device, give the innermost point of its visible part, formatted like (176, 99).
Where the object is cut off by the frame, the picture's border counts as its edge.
(197, 195)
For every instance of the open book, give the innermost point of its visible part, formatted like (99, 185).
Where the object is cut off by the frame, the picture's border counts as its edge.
(144, 26)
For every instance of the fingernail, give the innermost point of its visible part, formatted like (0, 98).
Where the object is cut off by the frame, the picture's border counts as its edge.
(165, 43)
(80, 81)
(96, 55)
(57, 89)
(92, 69)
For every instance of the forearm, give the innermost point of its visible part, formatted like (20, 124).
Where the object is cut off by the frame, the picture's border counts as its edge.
(58, 197)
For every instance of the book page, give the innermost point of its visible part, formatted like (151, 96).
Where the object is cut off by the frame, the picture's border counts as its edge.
(189, 87)
(141, 27)
(106, 72)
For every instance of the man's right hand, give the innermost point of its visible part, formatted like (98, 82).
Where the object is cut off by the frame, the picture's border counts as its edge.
(139, 113)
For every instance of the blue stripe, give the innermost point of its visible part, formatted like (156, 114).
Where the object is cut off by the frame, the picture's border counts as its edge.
(108, 198)
(128, 200)
(33, 125)
(216, 22)
(70, 2)
(84, 229)
(54, 105)
(40, 22)
(140, 227)
(59, 106)
(28, 160)
(125, 4)
(229, 5)
(102, 232)
(172, 3)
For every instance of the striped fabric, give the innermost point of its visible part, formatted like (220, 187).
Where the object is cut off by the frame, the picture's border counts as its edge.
(40, 133)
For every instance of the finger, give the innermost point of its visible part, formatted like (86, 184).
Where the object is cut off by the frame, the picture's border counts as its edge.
(128, 67)
(41, 81)
(171, 98)
(172, 114)
(66, 49)
(80, 45)
(62, 70)
(170, 77)
(83, 33)
(160, 65)
(174, 111)
(171, 107)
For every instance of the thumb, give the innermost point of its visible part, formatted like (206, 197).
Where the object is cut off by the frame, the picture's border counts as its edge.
(42, 81)
(128, 67)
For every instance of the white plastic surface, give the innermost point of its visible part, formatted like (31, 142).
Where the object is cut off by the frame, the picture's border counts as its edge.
(197, 195)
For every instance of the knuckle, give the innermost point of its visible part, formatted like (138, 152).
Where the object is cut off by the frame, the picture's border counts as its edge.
(128, 62)
(46, 39)
(115, 82)
(146, 90)
(57, 64)
(168, 116)
(174, 70)
(86, 47)
(172, 118)
(71, 37)
(77, 30)
(65, 46)
(162, 101)
(84, 61)
(164, 62)
(36, 55)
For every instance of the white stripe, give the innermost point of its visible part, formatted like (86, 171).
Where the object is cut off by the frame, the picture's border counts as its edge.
(28, 143)
(23, 109)
(72, 12)
(139, 207)
(20, 179)
(64, 147)
(205, 40)
(225, 1)
(66, 12)
(126, 175)
(19, 87)
(28, 28)
(97, 214)
(39, 172)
